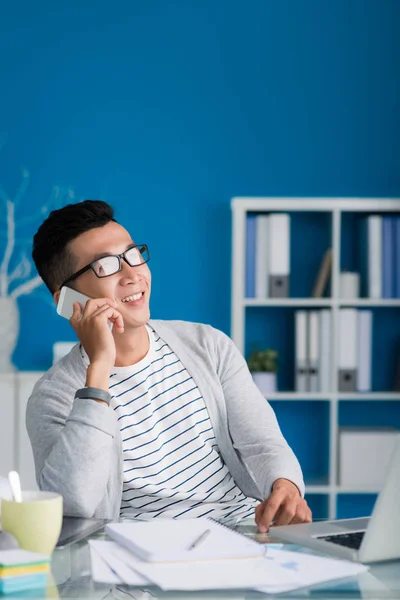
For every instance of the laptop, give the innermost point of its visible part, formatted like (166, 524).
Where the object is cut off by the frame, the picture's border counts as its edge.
(366, 539)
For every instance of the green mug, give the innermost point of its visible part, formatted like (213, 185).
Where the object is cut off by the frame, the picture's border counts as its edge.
(35, 522)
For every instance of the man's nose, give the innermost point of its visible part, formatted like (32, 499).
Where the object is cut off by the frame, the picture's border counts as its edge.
(130, 273)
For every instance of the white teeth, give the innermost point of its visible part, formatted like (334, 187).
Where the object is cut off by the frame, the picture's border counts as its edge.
(132, 298)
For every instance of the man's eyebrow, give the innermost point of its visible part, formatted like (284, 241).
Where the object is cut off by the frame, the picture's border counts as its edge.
(103, 254)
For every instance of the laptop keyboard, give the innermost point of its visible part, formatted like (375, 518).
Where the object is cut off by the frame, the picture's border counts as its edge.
(350, 540)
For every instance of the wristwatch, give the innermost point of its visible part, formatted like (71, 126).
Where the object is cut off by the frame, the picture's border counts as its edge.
(92, 393)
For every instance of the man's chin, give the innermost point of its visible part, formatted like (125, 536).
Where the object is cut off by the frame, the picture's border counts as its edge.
(136, 321)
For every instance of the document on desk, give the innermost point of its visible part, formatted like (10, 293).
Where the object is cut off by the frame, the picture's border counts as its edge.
(308, 569)
(174, 540)
(244, 573)
(107, 567)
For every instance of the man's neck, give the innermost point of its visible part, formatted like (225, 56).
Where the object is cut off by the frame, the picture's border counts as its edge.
(132, 346)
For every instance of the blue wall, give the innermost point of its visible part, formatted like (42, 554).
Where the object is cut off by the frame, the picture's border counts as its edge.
(168, 109)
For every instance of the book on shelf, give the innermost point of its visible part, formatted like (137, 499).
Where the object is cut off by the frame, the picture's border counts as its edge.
(347, 355)
(325, 352)
(301, 351)
(312, 350)
(279, 255)
(262, 257)
(267, 260)
(388, 257)
(380, 256)
(364, 350)
(321, 281)
(250, 275)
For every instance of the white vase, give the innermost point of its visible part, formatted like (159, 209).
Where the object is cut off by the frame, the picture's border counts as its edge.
(9, 329)
(266, 382)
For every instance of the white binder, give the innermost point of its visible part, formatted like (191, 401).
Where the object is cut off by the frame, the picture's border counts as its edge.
(301, 359)
(325, 345)
(348, 350)
(313, 349)
(364, 350)
(262, 256)
(375, 256)
(279, 255)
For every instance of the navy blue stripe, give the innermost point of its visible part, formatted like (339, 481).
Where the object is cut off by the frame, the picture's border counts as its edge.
(168, 441)
(154, 397)
(140, 495)
(162, 432)
(169, 453)
(162, 419)
(148, 377)
(219, 483)
(141, 370)
(212, 475)
(161, 347)
(162, 405)
(135, 411)
(172, 504)
(170, 465)
(206, 513)
(182, 471)
(234, 510)
(152, 414)
(146, 405)
(156, 500)
(191, 477)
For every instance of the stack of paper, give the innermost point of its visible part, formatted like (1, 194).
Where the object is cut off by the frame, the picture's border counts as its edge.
(161, 554)
(22, 570)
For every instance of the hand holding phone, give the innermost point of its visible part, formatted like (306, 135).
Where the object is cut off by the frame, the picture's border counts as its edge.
(66, 301)
(98, 343)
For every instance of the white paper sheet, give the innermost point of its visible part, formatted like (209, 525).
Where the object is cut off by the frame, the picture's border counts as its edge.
(101, 572)
(308, 569)
(108, 552)
(200, 575)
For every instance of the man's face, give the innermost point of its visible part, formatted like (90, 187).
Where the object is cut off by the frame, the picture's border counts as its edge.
(113, 239)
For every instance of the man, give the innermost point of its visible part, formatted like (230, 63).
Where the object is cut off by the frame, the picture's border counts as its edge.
(151, 418)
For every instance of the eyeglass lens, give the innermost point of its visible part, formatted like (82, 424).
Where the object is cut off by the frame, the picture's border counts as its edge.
(108, 265)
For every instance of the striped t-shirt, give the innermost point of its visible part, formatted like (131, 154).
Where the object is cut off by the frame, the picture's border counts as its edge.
(172, 464)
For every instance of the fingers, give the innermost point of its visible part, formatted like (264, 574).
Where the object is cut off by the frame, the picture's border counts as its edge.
(76, 315)
(94, 304)
(270, 508)
(99, 307)
(108, 313)
(287, 514)
(284, 510)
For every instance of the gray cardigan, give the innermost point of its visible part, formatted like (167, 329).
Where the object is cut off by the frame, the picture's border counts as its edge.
(77, 444)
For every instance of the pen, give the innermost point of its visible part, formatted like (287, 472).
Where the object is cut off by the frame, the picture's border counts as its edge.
(200, 539)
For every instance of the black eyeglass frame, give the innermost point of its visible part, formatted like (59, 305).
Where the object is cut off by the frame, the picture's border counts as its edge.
(119, 256)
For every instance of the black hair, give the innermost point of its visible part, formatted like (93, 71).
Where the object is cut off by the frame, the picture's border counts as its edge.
(50, 252)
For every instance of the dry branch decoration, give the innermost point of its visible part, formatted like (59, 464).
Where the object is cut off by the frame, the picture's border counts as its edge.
(22, 272)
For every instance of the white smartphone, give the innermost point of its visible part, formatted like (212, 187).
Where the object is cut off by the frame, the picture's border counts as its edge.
(67, 298)
(66, 301)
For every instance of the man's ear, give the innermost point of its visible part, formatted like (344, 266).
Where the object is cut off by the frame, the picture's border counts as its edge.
(56, 296)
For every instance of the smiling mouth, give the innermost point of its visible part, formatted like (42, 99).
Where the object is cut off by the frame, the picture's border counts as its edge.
(133, 298)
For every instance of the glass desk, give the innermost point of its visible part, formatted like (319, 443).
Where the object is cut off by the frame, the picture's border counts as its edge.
(71, 578)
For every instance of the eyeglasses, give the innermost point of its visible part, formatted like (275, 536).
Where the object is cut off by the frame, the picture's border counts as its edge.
(108, 265)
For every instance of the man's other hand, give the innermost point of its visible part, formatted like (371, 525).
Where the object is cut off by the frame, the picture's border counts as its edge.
(284, 506)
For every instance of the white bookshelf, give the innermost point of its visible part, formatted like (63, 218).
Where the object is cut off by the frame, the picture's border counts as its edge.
(336, 207)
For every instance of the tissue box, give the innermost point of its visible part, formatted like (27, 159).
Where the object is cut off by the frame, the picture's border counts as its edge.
(364, 455)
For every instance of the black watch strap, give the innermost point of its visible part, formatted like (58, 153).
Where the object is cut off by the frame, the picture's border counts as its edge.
(92, 393)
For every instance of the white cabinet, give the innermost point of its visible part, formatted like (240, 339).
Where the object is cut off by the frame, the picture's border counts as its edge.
(26, 467)
(8, 440)
(15, 447)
